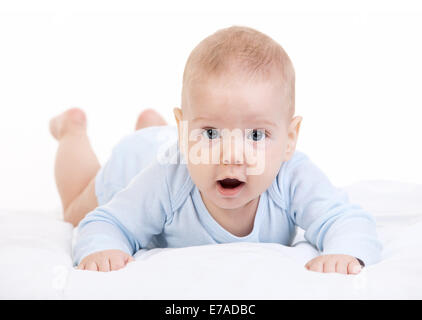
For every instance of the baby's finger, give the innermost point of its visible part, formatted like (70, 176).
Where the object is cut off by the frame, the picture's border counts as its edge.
(117, 262)
(104, 266)
(310, 263)
(354, 267)
(341, 267)
(91, 266)
(130, 259)
(329, 266)
(316, 266)
(81, 266)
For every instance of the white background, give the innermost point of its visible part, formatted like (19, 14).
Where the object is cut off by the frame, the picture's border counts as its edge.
(358, 69)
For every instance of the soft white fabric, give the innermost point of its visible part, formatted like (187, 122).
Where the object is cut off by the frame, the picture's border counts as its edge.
(35, 261)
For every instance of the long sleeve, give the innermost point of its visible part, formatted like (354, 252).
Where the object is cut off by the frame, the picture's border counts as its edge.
(331, 222)
(130, 219)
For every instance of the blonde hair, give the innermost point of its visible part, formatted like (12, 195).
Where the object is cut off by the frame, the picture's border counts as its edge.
(253, 54)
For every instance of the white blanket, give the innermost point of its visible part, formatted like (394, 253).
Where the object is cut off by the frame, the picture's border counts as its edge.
(35, 261)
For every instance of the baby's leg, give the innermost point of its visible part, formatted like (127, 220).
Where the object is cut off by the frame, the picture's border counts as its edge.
(76, 165)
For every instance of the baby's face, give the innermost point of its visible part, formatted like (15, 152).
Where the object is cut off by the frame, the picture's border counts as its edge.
(237, 131)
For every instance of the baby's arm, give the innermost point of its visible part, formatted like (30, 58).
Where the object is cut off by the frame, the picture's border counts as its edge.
(341, 231)
(115, 231)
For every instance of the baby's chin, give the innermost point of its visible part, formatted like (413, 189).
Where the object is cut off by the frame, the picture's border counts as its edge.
(231, 204)
(230, 199)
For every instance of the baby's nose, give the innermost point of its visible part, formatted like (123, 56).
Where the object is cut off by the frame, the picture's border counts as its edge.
(235, 161)
(233, 150)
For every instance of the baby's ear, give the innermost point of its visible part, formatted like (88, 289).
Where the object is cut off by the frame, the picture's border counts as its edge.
(293, 135)
(178, 117)
(177, 114)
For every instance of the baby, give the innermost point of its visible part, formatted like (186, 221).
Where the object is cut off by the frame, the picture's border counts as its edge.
(228, 172)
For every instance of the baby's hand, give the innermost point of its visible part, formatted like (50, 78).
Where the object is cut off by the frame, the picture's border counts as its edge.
(340, 263)
(107, 260)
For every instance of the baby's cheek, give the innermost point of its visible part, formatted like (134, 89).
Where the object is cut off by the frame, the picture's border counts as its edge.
(257, 184)
(201, 175)
(259, 159)
(273, 163)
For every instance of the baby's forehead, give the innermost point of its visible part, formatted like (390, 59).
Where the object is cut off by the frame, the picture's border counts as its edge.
(225, 99)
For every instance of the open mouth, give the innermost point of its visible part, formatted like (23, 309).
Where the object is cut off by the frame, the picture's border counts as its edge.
(229, 187)
(230, 183)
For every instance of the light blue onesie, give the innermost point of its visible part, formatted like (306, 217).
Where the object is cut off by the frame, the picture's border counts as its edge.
(144, 203)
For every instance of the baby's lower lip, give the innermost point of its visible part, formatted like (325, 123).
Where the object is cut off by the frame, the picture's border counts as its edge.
(227, 192)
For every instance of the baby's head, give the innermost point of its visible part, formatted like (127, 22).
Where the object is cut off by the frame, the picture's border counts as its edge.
(236, 120)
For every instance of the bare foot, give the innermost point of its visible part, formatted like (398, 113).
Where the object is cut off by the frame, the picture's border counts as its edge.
(149, 118)
(71, 121)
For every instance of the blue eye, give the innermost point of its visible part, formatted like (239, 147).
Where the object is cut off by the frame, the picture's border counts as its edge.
(256, 135)
(211, 133)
